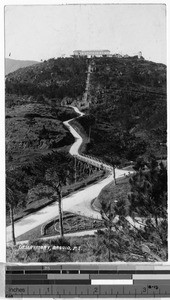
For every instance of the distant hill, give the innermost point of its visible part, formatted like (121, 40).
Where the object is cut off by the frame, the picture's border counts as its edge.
(12, 65)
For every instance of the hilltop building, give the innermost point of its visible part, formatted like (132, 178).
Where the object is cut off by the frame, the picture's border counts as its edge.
(139, 54)
(91, 53)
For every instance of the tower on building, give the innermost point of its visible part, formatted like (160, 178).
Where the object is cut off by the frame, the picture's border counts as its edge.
(139, 54)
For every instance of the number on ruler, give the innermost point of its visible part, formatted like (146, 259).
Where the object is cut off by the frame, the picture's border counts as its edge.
(95, 290)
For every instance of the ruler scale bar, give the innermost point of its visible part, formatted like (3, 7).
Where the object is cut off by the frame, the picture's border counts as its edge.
(110, 276)
(68, 276)
(149, 282)
(26, 277)
(86, 281)
(38, 270)
(58, 289)
(152, 277)
(111, 282)
(42, 282)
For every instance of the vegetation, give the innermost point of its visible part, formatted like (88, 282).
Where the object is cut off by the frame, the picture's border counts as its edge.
(122, 244)
(13, 198)
(146, 203)
(35, 141)
(35, 135)
(127, 115)
(71, 223)
(125, 123)
(34, 188)
(121, 240)
(75, 223)
(148, 195)
(55, 78)
(114, 193)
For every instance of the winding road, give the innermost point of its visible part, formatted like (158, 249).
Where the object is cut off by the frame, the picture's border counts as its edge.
(78, 202)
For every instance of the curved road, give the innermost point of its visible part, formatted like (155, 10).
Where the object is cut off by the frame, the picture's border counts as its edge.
(78, 202)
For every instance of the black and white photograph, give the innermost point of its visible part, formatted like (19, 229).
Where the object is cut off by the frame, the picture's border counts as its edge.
(86, 133)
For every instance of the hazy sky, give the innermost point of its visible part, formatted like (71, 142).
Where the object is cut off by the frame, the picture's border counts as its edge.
(42, 32)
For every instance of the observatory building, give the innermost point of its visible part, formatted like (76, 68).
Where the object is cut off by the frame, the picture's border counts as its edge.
(91, 53)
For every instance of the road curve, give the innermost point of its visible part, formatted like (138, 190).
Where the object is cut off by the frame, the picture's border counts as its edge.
(78, 202)
(74, 150)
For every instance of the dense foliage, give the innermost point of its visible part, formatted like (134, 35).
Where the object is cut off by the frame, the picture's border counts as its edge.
(61, 77)
(146, 232)
(148, 195)
(32, 182)
(128, 109)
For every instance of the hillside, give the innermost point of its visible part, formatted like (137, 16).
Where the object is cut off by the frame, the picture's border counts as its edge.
(33, 126)
(127, 117)
(37, 142)
(12, 65)
(55, 78)
(128, 114)
(125, 123)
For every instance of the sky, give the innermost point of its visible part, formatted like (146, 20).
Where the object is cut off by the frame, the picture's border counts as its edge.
(46, 31)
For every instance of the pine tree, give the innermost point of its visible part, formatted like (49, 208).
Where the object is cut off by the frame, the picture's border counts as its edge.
(55, 180)
(148, 197)
(14, 197)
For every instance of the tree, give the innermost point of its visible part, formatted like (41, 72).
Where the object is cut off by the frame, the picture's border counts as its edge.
(14, 197)
(55, 180)
(59, 193)
(148, 197)
(123, 239)
(107, 240)
(113, 163)
(108, 216)
(10, 204)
